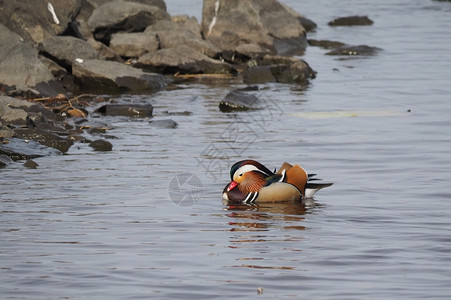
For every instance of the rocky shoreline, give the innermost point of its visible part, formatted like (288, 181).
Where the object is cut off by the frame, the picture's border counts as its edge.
(51, 51)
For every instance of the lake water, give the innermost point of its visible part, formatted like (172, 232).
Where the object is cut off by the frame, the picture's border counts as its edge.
(114, 225)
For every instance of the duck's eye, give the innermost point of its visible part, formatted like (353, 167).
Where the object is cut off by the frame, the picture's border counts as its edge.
(241, 175)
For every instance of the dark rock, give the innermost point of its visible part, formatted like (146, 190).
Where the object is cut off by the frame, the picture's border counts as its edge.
(128, 110)
(112, 78)
(177, 113)
(182, 59)
(351, 21)
(123, 16)
(20, 66)
(66, 49)
(362, 50)
(158, 3)
(239, 100)
(4, 160)
(45, 138)
(30, 164)
(101, 145)
(33, 19)
(282, 69)
(169, 124)
(19, 149)
(133, 45)
(325, 43)
(267, 23)
(258, 74)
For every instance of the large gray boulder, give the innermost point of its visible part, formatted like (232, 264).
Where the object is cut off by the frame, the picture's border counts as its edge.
(112, 78)
(36, 20)
(182, 32)
(21, 68)
(228, 24)
(182, 59)
(133, 45)
(123, 16)
(66, 49)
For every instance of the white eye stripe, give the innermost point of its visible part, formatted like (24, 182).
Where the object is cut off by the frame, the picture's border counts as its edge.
(248, 168)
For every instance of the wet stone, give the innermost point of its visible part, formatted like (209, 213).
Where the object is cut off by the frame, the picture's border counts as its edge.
(363, 50)
(4, 160)
(19, 149)
(351, 21)
(101, 145)
(30, 164)
(325, 43)
(127, 110)
(167, 123)
(239, 100)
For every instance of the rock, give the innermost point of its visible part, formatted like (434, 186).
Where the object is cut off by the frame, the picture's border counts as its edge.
(128, 110)
(159, 3)
(169, 124)
(123, 16)
(133, 45)
(355, 50)
(101, 145)
(5, 132)
(4, 160)
(351, 21)
(64, 50)
(19, 149)
(37, 20)
(266, 23)
(30, 164)
(12, 110)
(112, 78)
(45, 138)
(182, 59)
(325, 43)
(21, 68)
(239, 100)
(283, 69)
(173, 35)
(188, 23)
(258, 74)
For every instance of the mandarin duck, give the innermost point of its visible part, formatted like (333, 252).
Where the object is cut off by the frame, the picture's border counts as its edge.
(252, 182)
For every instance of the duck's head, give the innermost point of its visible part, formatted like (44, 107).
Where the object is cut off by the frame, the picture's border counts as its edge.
(247, 176)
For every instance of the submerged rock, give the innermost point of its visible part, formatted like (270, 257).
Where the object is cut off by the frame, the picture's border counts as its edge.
(30, 164)
(239, 100)
(101, 145)
(4, 160)
(127, 110)
(355, 50)
(351, 21)
(168, 123)
(325, 43)
(19, 149)
(282, 69)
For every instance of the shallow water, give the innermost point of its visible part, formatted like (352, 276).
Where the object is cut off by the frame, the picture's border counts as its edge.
(112, 225)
